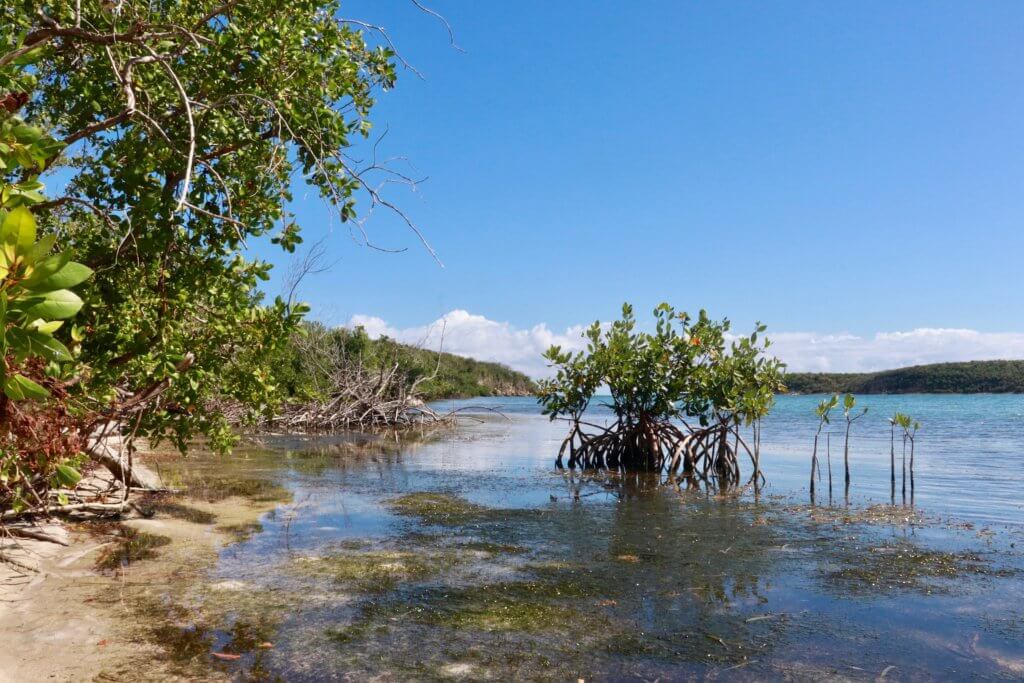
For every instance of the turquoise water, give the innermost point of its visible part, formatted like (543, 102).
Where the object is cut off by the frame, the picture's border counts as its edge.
(541, 574)
(969, 455)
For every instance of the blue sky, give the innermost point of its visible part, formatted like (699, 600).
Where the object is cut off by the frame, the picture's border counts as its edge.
(823, 167)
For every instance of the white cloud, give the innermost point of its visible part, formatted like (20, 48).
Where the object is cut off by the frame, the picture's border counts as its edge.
(374, 326)
(478, 337)
(812, 352)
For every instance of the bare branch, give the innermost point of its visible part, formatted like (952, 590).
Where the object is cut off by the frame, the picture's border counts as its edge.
(447, 26)
(68, 199)
(387, 38)
(187, 179)
(312, 263)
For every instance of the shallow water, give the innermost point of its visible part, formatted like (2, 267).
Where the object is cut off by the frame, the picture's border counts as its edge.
(468, 555)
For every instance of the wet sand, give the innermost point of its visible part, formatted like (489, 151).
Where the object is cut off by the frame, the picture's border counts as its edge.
(69, 621)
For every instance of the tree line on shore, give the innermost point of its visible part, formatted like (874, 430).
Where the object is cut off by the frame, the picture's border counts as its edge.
(333, 379)
(307, 363)
(973, 377)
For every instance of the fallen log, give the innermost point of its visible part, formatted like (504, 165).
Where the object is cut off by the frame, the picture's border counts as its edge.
(99, 450)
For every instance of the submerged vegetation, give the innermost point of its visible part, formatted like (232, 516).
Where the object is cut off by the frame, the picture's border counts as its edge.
(617, 602)
(905, 566)
(129, 545)
(438, 508)
(685, 370)
(425, 582)
(213, 489)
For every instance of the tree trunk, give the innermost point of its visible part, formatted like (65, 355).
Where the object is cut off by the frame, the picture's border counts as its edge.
(904, 469)
(892, 461)
(911, 468)
(98, 448)
(846, 456)
(814, 464)
(828, 455)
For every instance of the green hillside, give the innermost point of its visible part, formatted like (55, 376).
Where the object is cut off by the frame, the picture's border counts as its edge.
(306, 368)
(460, 377)
(974, 377)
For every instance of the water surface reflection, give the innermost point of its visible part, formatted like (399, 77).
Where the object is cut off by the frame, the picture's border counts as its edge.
(466, 554)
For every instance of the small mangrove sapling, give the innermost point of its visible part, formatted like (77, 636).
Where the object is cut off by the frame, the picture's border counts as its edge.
(893, 421)
(851, 416)
(822, 411)
(909, 426)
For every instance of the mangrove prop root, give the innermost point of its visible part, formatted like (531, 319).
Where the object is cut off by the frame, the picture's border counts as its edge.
(710, 453)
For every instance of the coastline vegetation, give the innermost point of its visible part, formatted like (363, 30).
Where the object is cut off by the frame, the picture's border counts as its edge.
(304, 375)
(340, 379)
(684, 370)
(181, 131)
(973, 377)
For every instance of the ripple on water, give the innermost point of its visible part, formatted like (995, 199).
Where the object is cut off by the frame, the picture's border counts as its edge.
(468, 555)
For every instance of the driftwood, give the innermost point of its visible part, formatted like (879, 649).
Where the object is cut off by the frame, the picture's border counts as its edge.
(111, 430)
(94, 508)
(359, 399)
(351, 393)
(99, 450)
(26, 532)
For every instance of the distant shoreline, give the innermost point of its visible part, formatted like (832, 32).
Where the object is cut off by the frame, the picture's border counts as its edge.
(971, 377)
(902, 393)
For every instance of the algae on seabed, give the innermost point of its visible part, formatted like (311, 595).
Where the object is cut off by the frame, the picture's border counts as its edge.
(435, 507)
(375, 570)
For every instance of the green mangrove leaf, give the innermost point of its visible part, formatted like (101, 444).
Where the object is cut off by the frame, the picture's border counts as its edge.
(56, 305)
(35, 343)
(19, 388)
(67, 476)
(44, 326)
(19, 228)
(70, 275)
(44, 269)
(40, 249)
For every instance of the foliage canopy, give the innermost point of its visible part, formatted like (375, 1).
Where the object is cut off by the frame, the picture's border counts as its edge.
(177, 132)
(35, 300)
(980, 376)
(185, 127)
(686, 369)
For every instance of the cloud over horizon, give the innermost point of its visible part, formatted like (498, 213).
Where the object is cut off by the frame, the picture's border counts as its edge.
(476, 336)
